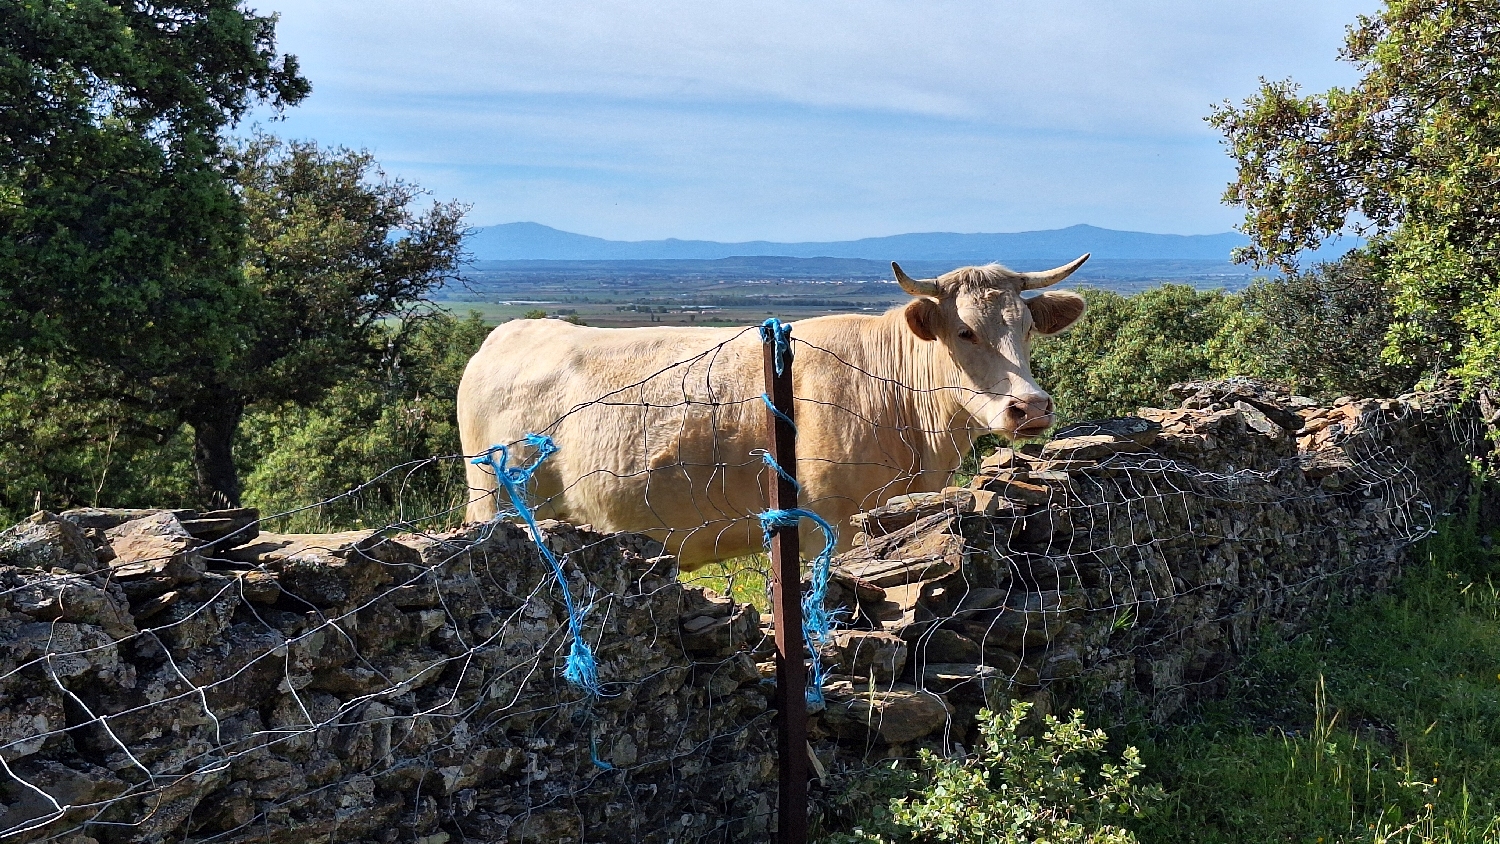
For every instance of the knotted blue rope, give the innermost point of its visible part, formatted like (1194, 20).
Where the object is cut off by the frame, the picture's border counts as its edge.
(594, 755)
(770, 405)
(785, 475)
(580, 669)
(775, 331)
(816, 620)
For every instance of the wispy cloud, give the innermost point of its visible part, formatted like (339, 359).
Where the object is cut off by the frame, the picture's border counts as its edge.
(798, 120)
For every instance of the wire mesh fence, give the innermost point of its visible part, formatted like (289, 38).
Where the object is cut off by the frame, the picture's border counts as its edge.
(554, 668)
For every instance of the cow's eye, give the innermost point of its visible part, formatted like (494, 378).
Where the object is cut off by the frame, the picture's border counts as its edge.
(967, 334)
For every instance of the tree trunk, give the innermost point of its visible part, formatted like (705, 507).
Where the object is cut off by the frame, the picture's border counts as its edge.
(214, 426)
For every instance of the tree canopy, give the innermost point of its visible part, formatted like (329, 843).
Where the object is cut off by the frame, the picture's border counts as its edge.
(119, 237)
(334, 249)
(1410, 156)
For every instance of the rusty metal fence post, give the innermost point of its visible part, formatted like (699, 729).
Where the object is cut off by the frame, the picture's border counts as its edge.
(786, 591)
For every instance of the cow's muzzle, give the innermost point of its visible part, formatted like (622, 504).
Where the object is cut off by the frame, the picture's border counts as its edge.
(1026, 415)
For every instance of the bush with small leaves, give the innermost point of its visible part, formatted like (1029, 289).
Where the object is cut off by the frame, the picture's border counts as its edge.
(1019, 789)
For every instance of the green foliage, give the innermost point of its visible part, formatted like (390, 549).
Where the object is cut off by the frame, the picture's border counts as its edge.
(1018, 789)
(119, 237)
(1410, 155)
(1320, 332)
(402, 415)
(334, 249)
(1381, 725)
(73, 436)
(744, 578)
(534, 313)
(1128, 350)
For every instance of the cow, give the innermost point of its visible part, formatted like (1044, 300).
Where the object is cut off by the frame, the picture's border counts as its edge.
(660, 429)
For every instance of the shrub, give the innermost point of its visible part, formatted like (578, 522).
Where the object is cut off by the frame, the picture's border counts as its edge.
(402, 418)
(1017, 789)
(1321, 331)
(1128, 350)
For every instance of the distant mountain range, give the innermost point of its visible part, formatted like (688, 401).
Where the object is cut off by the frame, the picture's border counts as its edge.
(533, 241)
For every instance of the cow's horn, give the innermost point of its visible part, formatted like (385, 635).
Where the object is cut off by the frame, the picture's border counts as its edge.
(1047, 278)
(916, 287)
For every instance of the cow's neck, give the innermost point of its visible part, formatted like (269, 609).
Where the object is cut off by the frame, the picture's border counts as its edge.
(928, 397)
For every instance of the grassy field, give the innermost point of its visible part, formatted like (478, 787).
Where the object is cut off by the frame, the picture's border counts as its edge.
(1381, 725)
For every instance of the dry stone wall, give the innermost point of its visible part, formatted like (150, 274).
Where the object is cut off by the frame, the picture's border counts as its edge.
(173, 675)
(1132, 558)
(358, 687)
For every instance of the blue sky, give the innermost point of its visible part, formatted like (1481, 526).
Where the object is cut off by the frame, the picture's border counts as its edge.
(804, 119)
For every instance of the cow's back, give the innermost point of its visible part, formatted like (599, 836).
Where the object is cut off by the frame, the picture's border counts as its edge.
(651, 425)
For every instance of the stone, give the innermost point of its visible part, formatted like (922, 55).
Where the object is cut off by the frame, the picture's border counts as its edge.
(225, 528)
(894, 716)
(941, 645)
(155, 546)
(1016, 490)
(945, 678)
(45, 541)
(707, 636)
(65, 597)
(924, 550)
(104, 518)
(326, 570)
(261, 587)
(1060, 663)
(868, 653)
(1090, 447)
(1259, 422)
(1002, 459)
(1051, 468)
(1137, 429)
(899, 512)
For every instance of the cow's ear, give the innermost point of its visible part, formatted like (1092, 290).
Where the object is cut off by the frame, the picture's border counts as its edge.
(922, 317)
(1055, 310)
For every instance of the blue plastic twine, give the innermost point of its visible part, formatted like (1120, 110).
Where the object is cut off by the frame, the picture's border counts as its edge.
(776, 410)
(816, 620)
(775, 331)
(581, 670)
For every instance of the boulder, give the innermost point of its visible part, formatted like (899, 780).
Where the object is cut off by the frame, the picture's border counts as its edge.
(154, 546)
(893, 716)
(329, 569)
(45, 541)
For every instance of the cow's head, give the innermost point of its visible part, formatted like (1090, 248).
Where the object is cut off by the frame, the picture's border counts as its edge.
(980, 317)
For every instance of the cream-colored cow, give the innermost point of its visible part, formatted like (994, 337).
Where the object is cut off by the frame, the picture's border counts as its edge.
(660, 428)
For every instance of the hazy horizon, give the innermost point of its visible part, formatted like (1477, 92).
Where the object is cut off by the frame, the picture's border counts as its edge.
(795, 122)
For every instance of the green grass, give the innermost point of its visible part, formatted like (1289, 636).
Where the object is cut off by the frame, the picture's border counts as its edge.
(743, 578)
(1383, 724)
